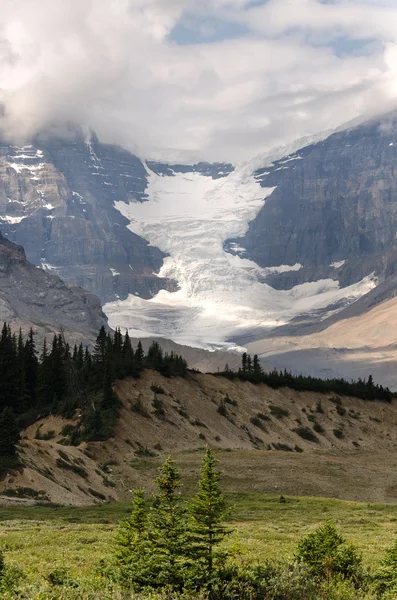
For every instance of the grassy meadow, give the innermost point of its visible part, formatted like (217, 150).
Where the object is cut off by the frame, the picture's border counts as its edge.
(39, 539)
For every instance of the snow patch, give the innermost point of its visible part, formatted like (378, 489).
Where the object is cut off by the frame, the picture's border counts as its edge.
(13, 220)
(114, 272)
(337, 265)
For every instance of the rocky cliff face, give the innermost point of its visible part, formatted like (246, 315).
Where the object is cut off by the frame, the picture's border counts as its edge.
(57, 200)
(31, 297)
(333, 210)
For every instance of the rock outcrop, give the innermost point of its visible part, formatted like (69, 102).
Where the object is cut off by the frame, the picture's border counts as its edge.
(31, 297)
(333, 210)
(57, 200)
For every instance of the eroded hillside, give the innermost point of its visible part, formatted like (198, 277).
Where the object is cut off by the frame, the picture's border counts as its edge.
(294, 442)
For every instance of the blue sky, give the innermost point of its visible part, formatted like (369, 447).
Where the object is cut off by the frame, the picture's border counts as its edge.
(196, 79)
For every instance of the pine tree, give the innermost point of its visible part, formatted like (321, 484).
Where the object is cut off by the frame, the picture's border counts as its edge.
(168, 527)
(134, 549)
(244, 362)
(256, 365)
(139, 356)
(208, 512)
(9, 433)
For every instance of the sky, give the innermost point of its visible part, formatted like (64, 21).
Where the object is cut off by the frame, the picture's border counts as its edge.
(190, 80)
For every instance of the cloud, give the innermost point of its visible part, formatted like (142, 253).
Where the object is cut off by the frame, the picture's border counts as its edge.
(114, 66)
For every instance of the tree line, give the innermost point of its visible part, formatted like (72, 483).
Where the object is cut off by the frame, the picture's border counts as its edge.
(60, 379)
(252, 371)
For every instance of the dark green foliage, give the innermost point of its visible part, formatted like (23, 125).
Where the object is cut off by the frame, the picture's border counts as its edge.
(62, 381)
(341, 410)
(319, 407)
(60, 576)
(133, 550)
(278, 412)
(222, 410)
(139, 408)
(386, 576)
(159, 408)
(338, 433)
(157, 389)
(168, 528)
(326, 553)
(365, 390)
(306, 434)
(62, 464)
(9, 439)
(230, 401)
(318, 428)
(144, 451)
(207, 511)
(257, 422)
(282, 447)
(263, 417)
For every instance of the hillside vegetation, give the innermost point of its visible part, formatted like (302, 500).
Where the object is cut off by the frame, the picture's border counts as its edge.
(263, 434)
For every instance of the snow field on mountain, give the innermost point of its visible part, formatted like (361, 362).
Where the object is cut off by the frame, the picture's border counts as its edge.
(190, 216)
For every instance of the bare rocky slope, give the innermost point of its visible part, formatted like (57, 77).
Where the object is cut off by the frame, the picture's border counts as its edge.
(30, 297)
(256, 431)
(57, 200)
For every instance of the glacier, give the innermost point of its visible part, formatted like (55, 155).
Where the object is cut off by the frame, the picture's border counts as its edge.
(190, 216)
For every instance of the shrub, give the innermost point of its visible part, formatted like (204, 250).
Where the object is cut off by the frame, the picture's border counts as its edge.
(283, 447)
(222, 410)
(144, 451)
(318, 428)
(386, 576)
(326, 552)
(228, 400)
(336, 400)
(319, 407)
(278, 412)
(63, 455)
(49, 435)
(264, 417)
(96, 494)
(67, 429)
(159, 408)
(157, 389)
(306, 434)
(139, 408)
(61, 464)
(183, 412)
(338, 433)
(60, 576)
(375, 419)
(257, 422)
(341, 410)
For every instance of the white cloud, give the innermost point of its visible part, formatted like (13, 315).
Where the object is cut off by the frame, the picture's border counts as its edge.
(111, 65)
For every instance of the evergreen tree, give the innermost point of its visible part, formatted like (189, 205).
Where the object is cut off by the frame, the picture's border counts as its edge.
(208, 512)
(9, 433)
(31, 367)
(244, 362)
(168, 528)
(256, 365)
(134, 549)
(139, 356)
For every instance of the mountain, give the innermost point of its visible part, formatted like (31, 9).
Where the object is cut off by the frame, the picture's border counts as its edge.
(57, 199)
(211, 256)
(31, 297)
(333, 210)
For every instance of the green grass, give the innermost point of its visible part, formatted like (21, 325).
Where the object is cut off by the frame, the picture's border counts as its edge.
(38, 539)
